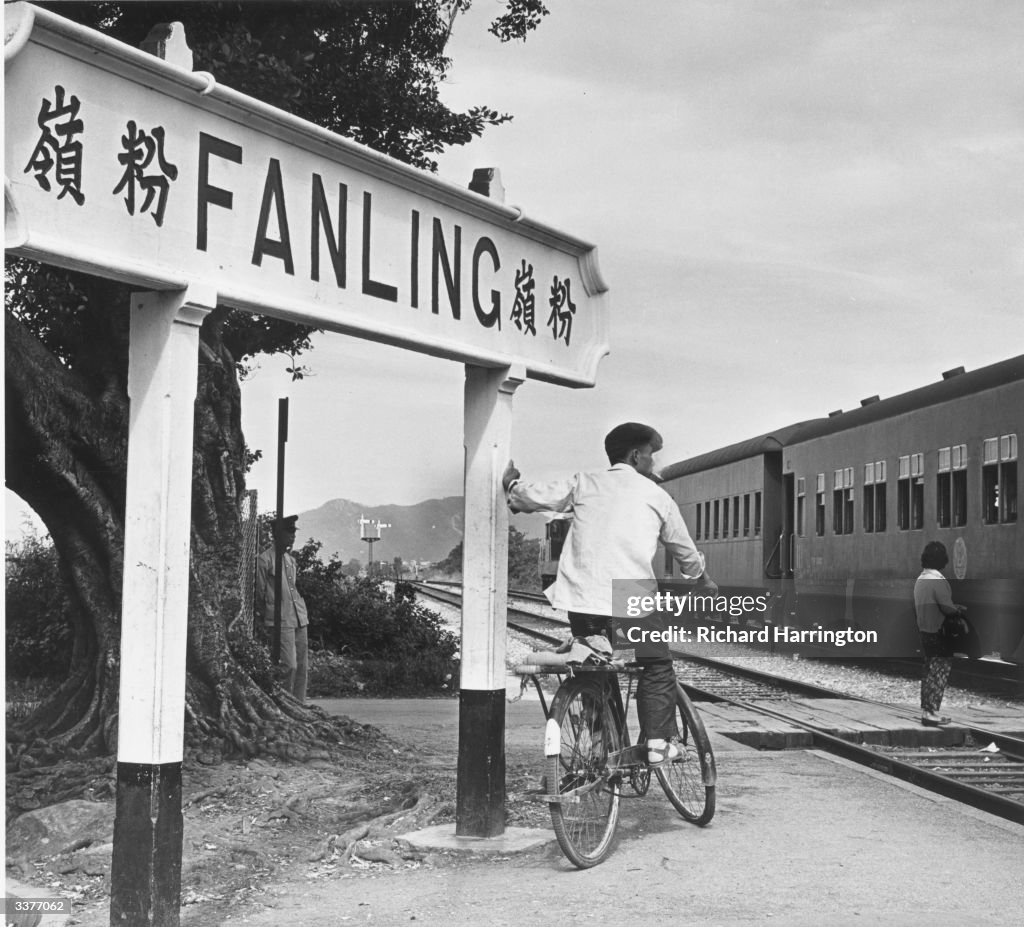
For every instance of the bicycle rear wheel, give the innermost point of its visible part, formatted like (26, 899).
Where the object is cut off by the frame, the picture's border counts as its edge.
(587, 813)
(689, 780)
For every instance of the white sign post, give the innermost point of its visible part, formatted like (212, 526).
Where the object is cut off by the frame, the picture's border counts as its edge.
(139, 169)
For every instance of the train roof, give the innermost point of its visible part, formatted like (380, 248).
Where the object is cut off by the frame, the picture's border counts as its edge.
(954, 385)
(752, 447)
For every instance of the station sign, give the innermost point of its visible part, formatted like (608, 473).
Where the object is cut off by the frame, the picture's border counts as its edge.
(121, 164)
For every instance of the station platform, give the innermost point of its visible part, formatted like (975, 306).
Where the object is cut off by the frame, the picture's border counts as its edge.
(853, 720)
(799, 839)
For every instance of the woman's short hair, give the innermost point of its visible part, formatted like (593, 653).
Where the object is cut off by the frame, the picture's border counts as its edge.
(628, 437)
(934, 556)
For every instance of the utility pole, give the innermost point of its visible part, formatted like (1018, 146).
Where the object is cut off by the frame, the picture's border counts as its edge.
(282, 440)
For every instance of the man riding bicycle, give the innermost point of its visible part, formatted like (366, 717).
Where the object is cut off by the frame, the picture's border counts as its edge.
(619, 516)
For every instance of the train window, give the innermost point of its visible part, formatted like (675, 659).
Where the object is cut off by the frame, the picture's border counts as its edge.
(951, 486)
(880, 522)
(917, 491)
(990, 494)
(716, 519)
(944, 488)
(801, 504)
(746, 515)
(698, 520)
(959, 498)
(707, 520)
(999, 480)
(819, 515)
(735, 516)
(869, 498)
(557, 531)
(910, 492)
(669, 562)
(725, 518)
(1008, 476)
(757, 514)
(842, 501)
(819, 507)
(943, 492)
(837, 502)
(1008, 480)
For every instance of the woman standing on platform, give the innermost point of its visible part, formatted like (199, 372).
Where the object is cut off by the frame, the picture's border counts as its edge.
(933, 602)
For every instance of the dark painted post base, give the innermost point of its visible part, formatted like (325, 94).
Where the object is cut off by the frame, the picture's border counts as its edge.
(145, 878)
(480, 795)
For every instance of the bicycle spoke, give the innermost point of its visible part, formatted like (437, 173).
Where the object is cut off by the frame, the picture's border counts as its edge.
(684, 779)
(586, 817)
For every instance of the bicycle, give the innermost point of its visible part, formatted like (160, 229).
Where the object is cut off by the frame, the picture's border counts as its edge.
(589, 755)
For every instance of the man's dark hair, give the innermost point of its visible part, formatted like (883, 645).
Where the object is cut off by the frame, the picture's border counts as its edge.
(628, 437)
(934, 556)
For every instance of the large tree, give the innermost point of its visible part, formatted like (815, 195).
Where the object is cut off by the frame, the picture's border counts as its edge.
(369, 71)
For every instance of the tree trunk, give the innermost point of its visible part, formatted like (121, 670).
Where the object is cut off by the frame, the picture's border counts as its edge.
(66, 450)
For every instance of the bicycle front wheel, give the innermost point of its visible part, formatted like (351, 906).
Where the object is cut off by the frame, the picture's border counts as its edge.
(689, 780)
(586, 812)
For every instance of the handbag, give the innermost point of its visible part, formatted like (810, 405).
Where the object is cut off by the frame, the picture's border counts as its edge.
(960, 638)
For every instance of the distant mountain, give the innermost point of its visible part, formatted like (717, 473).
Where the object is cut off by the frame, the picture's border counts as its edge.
(425, 531)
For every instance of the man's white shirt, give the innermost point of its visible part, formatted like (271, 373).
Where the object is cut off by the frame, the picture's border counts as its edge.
(618, 518)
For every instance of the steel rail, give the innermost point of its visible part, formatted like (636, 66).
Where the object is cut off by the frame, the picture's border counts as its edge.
(948, 786)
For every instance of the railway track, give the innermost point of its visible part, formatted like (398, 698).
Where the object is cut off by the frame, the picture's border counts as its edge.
(986, 773)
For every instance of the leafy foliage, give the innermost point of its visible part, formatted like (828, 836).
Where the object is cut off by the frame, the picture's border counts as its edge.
(388, 639)
(523, 561)
(38, 632)
(370, 71)
(520, 17)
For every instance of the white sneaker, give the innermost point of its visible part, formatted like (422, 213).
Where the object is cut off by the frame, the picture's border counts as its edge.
(660, 751)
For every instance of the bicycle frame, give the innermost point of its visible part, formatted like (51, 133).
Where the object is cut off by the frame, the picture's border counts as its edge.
(621, 761)
(590, 757)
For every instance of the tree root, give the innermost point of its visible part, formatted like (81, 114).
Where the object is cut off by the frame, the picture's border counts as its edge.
(34, 787)
(344, 843)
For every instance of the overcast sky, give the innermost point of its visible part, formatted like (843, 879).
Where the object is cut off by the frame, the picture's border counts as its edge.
(796, 205)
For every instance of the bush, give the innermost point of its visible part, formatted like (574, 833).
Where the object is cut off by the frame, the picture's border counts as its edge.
(362, 619)
(389, 643)
(40, 615)
(523, 562)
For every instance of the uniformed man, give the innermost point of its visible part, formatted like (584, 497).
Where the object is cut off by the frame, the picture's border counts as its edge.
(294, 617)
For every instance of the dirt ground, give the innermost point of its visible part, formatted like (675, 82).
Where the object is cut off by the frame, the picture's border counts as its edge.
(261, 833)
(799, 839)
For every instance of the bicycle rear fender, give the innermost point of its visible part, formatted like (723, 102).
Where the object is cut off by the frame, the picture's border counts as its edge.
(552, 738)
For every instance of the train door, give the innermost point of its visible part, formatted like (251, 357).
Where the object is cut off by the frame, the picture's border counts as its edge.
(787, 552)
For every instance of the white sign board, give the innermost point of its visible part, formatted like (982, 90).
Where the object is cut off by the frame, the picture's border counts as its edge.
(121, 164)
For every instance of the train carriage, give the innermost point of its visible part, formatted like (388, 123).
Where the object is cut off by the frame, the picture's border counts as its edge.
(830, 515)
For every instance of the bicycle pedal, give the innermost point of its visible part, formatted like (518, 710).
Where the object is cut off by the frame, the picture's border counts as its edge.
(539, 795)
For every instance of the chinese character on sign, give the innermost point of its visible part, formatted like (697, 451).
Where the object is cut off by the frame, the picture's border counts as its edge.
(58, 151)
(138, 152)
(523, 307)
(562, 309)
